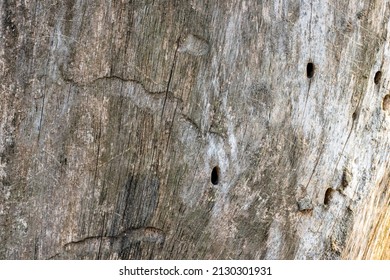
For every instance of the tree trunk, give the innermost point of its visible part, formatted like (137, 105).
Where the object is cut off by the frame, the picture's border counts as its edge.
(194, 129)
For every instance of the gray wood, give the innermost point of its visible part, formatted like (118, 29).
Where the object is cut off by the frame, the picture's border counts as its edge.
(113, 115)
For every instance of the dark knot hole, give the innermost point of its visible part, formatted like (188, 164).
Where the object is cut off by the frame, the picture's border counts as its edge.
(310, 70)
(377, 77)
(215, 175)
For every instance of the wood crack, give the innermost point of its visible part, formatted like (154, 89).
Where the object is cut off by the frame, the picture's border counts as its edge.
(355, 116)
(115, 242)
(140, 96)
(170, 77)
(167, 93)
(191, 122)
(315, 166)
(146, 234)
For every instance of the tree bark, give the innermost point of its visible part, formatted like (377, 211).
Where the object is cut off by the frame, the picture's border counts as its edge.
(194, 129)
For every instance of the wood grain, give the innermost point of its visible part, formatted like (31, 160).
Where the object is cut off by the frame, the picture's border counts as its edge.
(113, 115)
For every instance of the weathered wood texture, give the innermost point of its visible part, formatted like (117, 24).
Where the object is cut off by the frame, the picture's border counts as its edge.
(114, 113)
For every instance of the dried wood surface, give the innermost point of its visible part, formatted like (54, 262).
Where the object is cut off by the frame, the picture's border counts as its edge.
(194, 129)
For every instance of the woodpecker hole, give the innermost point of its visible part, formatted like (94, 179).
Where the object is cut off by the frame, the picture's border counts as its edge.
(328, 196)
(310, 70)
(215, 175)
(386, 103)
(377, 78)
(354, 116)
